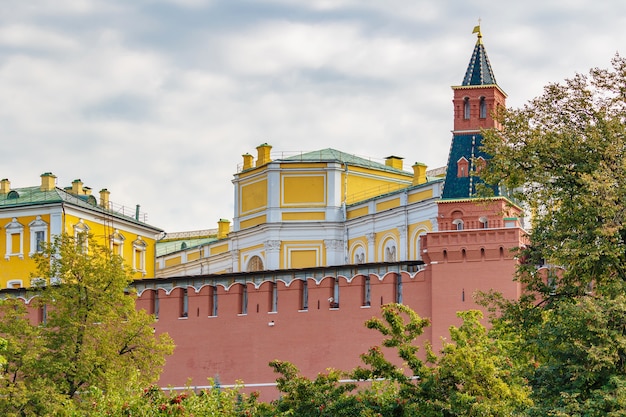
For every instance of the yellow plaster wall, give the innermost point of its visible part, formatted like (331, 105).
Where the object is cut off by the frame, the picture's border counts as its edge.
(21, 269)
(386, 205)
(304, 216)
(253, 196)
(193, 255)
(419, 196)
(366, 183)
(354, 213)
(303, 190)
(215, 250)
(253, 222)
(303, 258)
(302, 254)
(100, 233)
(15, 268)
(177, 260)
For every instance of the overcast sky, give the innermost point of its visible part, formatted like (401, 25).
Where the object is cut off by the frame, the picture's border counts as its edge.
(157, 100)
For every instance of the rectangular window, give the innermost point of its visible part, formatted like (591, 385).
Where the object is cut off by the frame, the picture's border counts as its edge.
(140, 260)
(305, 294)
(274, 298)
(184, 303)
(334, 300)
(366, 291)
(244, 300)
(213, 298)
(399, 288)
(16, 243)
(155, 305)
(40, 237)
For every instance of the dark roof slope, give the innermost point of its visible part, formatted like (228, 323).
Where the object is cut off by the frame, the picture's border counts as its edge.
(479, 69)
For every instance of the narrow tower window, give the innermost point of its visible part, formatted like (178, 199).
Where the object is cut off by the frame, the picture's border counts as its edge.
(466, 108)
(483, 108)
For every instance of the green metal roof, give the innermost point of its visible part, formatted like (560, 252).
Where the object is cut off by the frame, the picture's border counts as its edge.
(163, 248)
(333, 155)
(33, 196)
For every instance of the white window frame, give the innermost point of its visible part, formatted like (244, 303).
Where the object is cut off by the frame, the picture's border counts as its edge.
(458, 223)
(81, 231)
(139, 248)
(117, 239)
(37, 226)
(14, 228)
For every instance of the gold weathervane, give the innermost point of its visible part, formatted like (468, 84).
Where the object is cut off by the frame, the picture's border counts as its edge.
(477, 30)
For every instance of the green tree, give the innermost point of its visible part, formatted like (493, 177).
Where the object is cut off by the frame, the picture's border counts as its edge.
(563, 155)
(472, 375)
(92, 335)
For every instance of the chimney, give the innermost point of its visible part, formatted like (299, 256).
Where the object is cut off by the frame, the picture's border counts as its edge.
(77, 187)
(247, 161)
(223, 228)
(394, 162)
(104, 198)
(263, 154)
(48, 181)
(419, 173)
(5, 186)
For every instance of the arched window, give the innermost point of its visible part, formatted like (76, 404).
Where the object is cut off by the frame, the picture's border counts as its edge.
(483, 108)
(466, 108)
(255, 264)
(458, 224)
(484, 223)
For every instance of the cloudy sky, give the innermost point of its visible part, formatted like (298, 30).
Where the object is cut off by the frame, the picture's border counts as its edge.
(157, 100)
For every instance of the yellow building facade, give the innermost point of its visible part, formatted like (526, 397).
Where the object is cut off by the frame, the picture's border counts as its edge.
(31, 216)
(319, 208)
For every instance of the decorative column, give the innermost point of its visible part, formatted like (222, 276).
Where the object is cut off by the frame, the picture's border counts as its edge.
(334, 251)
(403, 244)
(272, 254)
(371, 247)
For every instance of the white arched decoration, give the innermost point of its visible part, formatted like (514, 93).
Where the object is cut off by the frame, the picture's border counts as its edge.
(416, 253)
(358, 254)
(388, 250)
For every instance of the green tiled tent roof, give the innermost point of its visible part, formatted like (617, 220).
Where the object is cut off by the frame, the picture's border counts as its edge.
(468, 146)
(334, 155)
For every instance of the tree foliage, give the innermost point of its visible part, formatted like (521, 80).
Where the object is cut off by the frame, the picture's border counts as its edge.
(91, 334)
(563, 155)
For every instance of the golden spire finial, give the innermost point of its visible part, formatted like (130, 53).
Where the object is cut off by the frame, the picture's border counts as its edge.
(477, 30)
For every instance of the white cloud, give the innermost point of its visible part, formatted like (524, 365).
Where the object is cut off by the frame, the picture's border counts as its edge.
(157, 100)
